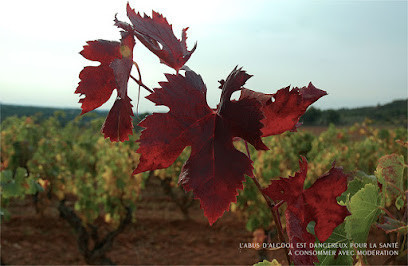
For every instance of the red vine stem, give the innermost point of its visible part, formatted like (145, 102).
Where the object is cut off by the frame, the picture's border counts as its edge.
(272, 206)
(139, 81)
(394, 186)
(141, 84)
(387, 212)
(138, 92)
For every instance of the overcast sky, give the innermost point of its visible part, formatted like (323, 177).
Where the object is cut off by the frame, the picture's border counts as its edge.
(355, 50)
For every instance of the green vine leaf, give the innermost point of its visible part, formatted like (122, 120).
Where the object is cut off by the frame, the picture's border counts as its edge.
(399, 202)
(342, 255)
(274, 262)
(364, 209)
(389, 172)
(360, 180)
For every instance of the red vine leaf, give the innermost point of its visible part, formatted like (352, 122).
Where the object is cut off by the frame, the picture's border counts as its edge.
(98, 82)
(118, 125)
(215, 169)
(288, 106)
(391, 225)
(157, 35)
(298, 235)
(317, 203)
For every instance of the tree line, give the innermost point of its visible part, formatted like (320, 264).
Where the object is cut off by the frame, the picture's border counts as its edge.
(390, 114)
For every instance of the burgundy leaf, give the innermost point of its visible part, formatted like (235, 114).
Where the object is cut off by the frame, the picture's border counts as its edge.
(288, 106)
(98, 82)
(118, 125)
(121, 72)
(317, 203)
(297, 234)
(215, 169)
(102, 51)
(157, 35)
(161, 142)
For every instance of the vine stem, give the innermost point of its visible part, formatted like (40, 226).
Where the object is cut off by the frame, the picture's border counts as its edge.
(397, 188)
(139, 81)
(141, 84)
(272, 206)
(387, 212)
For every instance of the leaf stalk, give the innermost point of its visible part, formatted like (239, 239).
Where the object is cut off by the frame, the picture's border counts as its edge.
(272, 206)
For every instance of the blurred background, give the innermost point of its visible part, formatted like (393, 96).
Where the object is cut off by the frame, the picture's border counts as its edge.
(355, 50)
(67, 196)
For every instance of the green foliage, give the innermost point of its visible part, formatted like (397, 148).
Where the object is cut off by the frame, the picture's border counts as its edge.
(15, 184)
(364, 209)
(365, 202)
(69, 162)
(399, 202)
(19, 139)
(390, 171)
(274, 262)
(360, 179)
(254, 207)
(57, 162)
(356, 149)
(339, 238)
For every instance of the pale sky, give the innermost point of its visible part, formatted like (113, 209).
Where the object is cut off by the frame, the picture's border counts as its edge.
(355, 50)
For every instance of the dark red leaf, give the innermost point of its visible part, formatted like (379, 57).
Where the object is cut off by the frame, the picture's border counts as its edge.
(288, 106)
(121, 71)
(97, 83)
(243, 116)
(298, 236)
(215, 169)
(317, 203)
(157, 35)
(161, 142)
(118, 125)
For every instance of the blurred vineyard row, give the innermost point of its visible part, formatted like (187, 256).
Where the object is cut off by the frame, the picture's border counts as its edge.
(357, 149)
(75, 170)
(88, 179)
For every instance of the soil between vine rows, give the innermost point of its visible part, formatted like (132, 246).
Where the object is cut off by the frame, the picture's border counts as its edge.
(159, 236)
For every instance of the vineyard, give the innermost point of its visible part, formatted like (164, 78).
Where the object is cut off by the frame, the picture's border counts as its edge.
(241, 183)
(71, 188)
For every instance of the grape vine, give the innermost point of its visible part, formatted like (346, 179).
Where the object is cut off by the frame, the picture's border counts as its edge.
(246, 148)
(215, 169)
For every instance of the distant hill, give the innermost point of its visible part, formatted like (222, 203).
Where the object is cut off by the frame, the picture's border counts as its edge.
(392, 114)
(7, 110)
(68, 114)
